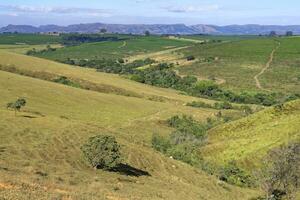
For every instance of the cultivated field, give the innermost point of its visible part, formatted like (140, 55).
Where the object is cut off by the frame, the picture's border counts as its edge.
(238, 62)
(115, 49)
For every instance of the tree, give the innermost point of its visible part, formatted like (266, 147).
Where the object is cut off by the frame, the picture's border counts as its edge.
(17, 105)
(103, 30)
(102, 152)
(273, 34)
(280, 176)
(289, 33)
(147, 33)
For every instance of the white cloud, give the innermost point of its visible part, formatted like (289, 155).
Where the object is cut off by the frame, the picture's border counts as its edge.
(192, 8)
(55, 10)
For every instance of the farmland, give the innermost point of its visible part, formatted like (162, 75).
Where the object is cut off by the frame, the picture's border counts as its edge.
(238, 62)
(114, 50)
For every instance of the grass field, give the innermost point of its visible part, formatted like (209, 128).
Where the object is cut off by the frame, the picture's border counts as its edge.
(109, 82)
(114, 50)
(248, 140)
(29, 39)
(64, 117)
(40, 155)
(23, 49)
(238, 62)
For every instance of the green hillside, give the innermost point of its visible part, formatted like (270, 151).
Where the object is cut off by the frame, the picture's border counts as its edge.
(40, 147)
(114, 49)
(40, 155)
(238, 62)
(249, 139)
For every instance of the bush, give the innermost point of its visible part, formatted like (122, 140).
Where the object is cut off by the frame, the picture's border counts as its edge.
(190, 58)
(187, 125)
(159, 143)
(232, 174)
(17, 105)
(199, 104)
(65, 81)
(223, 105)
(102, 152)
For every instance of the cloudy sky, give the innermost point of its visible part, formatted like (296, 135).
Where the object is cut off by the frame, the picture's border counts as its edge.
(219, 12)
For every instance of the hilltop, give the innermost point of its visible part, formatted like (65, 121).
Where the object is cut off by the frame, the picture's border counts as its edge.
(182, 29)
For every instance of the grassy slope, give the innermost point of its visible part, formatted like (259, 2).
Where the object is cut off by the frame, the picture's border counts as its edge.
(23, 49)
(249, 139)
(23, 62)
(115, 50)
(285, 68)
(40, 155)
(29, 39)
(239, 61)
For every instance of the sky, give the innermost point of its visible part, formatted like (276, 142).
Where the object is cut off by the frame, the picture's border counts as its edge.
(190, 12)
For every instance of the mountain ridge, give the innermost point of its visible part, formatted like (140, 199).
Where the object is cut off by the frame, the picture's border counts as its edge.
(182, 29)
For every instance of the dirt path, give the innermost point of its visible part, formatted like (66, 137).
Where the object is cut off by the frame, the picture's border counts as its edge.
(155, 54)
(123, 45)
(268, 64)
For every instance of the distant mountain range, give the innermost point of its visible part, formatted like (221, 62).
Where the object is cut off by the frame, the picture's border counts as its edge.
(251, 29)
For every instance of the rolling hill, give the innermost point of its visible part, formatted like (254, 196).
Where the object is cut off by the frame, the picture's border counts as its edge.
(40, 156)
(40, 147)
(250, 29)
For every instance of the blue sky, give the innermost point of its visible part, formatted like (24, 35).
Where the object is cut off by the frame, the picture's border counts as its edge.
(219, 12)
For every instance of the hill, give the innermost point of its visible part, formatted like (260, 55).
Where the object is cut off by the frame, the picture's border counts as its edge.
(40, 156)
(239, 62)
(248, 140)
(40, 147)
(251, 29)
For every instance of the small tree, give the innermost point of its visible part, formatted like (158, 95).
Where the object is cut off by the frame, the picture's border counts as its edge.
(280, 176)
(273, 34)
(17, 105)
(102, 152)
(147, 33)
(103, 30)
(289, 33)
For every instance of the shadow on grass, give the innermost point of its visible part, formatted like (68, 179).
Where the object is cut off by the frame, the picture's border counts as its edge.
(128, 170)
(28, 116)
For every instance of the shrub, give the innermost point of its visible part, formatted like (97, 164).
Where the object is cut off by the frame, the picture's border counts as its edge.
(280, 175)
(102, 152)
(223, 105)
(159, 143)
(65, 81)
(17, 105)
(199, 104)
(121, 60)
(187, 125)
(232, 174)
(190, 58)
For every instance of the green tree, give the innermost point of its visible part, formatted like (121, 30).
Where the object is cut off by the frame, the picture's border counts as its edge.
(102, 152)
(17, 105)
(273, 34)
(289, 33)
(147, 33)
(103, 30)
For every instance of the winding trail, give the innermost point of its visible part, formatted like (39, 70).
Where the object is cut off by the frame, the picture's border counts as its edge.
(267, 66)
(123, 45)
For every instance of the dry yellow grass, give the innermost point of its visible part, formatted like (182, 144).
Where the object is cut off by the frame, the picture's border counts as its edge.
(33, 64)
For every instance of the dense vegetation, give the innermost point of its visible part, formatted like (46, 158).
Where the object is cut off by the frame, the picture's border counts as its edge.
(102, 152)
(31, 39)
(162, 75)
(76, 39)
(185, 143)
